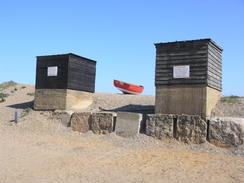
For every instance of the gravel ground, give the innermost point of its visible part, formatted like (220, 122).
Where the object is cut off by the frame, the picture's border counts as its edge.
(121, 102)
(224, 109)
(40, 149)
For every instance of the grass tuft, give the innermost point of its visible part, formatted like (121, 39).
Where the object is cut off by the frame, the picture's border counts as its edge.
(25, 112)
(3, 96)
(31, 94)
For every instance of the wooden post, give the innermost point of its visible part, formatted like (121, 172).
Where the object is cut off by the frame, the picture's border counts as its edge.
(16, 116)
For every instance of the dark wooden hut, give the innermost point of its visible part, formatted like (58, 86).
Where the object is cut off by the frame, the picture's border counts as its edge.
(63, 80)
(188, 76)
(66, 71)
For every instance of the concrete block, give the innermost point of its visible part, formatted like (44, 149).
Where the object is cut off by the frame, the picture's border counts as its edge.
(62, 99)
(63, 116)
(200, 100)
(191, 129)
(50, 99)
(128, 124)
(78, 100)
(159, 125)
(102, 123)
(81, 121)
(226, 131)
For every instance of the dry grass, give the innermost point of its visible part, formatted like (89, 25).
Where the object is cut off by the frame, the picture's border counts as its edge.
(6, 85)
(232, 99)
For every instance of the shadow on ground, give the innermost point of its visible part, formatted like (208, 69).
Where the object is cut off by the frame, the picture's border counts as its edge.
(145, 109)
(22, 105)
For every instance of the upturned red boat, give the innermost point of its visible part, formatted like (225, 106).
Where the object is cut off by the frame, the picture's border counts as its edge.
(128, 88)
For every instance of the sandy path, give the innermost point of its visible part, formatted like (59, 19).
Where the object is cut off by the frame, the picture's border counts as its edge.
(46, 155)
(39, 149)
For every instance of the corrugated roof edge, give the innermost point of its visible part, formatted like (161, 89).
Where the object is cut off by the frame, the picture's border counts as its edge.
(195, 40)
(68, 54)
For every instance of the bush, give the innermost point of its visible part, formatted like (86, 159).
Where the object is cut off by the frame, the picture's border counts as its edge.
(31, 94)
(6, 85)
(3, 96)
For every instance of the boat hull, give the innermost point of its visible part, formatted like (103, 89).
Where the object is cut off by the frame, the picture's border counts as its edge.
(128, 88)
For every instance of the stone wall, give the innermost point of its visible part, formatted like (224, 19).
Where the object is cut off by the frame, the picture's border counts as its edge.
(98, 123)
(102, 123)
(159, 125)
(226, 131)
(191, 129)
(81, 121)
(223, 132)
(185, 128)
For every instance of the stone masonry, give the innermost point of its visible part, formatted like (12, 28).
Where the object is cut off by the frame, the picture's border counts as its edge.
(81, 121)
(223, 132)
(102, 123)
(191, 129)
(226, 131)
(159, 125)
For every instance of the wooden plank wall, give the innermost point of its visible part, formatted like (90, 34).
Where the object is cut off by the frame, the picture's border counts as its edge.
(181, 53)
(74, 72)
(52, 82)
(203, 57)
(81, 74)
(214, 67)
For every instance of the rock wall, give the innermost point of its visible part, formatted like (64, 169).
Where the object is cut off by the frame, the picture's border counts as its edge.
(185, 128)
(102, 123)
(81, 121)
(223, 132)
(98, 123)
(226, 132)
(159, 125)
(191, 129)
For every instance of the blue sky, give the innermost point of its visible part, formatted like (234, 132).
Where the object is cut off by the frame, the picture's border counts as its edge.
(119, 34)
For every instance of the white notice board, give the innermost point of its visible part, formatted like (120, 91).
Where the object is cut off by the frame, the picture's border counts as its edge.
(52, 71)
(181, 71)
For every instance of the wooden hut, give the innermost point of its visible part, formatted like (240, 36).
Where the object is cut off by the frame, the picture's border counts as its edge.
(188, 77)
(63, 80)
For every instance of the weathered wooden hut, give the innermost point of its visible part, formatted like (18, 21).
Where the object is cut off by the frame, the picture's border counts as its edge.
(63, 80)
(188, 77)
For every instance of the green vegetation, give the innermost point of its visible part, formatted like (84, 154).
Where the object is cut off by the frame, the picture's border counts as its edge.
(23, 87)
(6, 85)
(3, 96)
(232, 99)
(31, 94)
(25, 112)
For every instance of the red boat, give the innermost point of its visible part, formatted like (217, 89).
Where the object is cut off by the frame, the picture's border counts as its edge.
(128, 88)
